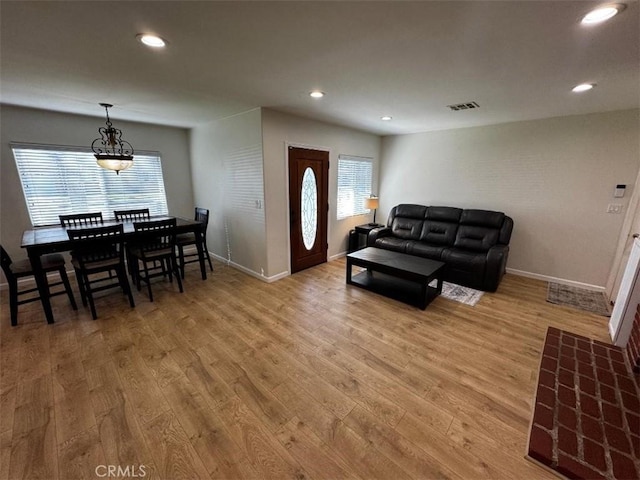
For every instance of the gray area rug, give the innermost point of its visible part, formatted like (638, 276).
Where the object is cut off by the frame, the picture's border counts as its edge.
(581, 298)
(461, 294)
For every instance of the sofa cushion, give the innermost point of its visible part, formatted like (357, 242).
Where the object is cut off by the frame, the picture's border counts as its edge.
(392, 243)
(406, 228)
(482, 218)
(438, 233)
(477, 239)
(444, 214)
(411, 211)
(420, 249)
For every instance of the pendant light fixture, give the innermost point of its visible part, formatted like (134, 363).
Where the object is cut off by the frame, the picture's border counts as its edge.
(110, 150)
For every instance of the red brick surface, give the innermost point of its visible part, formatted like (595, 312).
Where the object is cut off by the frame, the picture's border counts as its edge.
(633, 346)
(586, 421)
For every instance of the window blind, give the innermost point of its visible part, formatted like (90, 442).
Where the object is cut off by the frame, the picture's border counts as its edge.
(65, 180)
(354, 185)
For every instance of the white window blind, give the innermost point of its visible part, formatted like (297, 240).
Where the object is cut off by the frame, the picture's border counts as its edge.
(355, 176)
(65, 180)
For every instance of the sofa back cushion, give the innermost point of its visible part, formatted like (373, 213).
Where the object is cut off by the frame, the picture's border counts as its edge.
(439, 233)
(411, 211)
(479, 230)
(406, 221)
(444, 214)
(441, 225)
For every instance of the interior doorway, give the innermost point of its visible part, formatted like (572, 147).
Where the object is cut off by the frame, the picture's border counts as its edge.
(630, 228)
(308, 206)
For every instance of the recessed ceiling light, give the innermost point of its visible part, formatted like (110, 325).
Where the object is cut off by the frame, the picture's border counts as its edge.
(603, 13)
(583, 87)
(151, 40)
(386, 118)
(317, 94)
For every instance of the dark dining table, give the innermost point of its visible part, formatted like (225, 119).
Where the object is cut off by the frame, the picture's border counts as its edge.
(50, 239)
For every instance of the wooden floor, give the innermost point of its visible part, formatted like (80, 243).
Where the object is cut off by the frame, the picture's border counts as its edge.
(302, 378)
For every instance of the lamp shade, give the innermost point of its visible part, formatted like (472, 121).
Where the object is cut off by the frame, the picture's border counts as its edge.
(371, 203)
(114, 163)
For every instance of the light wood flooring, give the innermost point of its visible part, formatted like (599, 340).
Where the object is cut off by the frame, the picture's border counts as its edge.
(303, 378)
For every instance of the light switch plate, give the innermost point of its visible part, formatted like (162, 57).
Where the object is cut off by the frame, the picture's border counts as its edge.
(614, 208)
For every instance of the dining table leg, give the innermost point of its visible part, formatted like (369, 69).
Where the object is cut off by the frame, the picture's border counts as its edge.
(42, 283)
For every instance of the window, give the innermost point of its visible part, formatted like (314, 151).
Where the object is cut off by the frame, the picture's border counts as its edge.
(354, 185)
(59, 181)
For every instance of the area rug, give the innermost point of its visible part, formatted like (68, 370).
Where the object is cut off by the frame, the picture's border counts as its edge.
(581, 298)
(586, 411)
(461, 294)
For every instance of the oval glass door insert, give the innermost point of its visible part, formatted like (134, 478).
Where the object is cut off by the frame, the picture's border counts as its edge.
(309, 208)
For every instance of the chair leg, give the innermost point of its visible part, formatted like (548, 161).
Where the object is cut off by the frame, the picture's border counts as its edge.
(169, 264)
(67, 287)
(80, 280)
(181, 260)
(205, 249)
(137, 277)
(148, 280)
(165, 269)
(89, 294)
(13, 301)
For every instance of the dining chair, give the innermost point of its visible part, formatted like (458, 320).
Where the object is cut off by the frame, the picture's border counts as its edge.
(189, 239)
(135, 215)
(21, 269)
(98, 250)
(155, 249)
(81, 219)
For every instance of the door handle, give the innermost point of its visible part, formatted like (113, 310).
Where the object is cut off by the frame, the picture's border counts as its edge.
(636, 235)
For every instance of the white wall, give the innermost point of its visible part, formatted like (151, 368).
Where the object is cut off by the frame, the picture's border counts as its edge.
(278, 131)
(52, 128)
(226, 158)
(554, 177)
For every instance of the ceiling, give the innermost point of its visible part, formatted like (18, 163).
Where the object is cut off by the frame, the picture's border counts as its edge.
(517, 59)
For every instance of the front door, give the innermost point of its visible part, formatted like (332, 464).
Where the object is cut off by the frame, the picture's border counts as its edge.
(308, 207)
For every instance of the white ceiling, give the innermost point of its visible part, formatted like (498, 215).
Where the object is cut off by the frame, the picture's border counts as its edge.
(517, 59)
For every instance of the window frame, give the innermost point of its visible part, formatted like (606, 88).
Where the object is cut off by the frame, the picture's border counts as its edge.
(61, 181)
(359, 193)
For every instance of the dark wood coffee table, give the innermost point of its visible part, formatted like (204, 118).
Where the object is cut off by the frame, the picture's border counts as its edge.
(396, 275)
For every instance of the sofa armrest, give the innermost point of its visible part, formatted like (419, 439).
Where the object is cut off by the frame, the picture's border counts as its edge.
(377, 233)
(496, 266)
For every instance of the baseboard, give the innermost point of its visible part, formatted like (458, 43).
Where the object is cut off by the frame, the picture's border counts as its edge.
(522, 273)
(562, 281)
(248, 271)
(31, 281)
(337, 256)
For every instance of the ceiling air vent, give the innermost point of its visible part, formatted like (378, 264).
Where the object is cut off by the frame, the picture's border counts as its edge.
(463, 106)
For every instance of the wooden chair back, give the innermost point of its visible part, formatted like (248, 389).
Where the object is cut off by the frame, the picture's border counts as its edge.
(135, 215)
(81, 219)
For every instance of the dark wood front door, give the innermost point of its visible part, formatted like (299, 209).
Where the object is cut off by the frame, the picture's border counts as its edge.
(308, 207)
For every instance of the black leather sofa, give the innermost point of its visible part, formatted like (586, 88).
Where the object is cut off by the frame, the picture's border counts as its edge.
(474, 244)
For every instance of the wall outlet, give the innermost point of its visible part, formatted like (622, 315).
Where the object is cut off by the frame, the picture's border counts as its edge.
(614, 208)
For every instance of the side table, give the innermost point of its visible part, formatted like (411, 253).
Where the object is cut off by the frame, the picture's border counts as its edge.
(358, 236)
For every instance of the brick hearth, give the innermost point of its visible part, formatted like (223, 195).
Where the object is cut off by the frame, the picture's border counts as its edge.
(586, 422)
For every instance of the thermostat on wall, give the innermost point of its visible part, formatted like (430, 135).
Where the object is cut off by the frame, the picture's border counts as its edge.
(619, 191)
